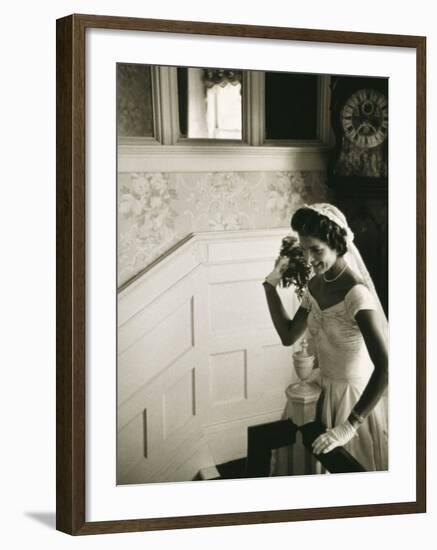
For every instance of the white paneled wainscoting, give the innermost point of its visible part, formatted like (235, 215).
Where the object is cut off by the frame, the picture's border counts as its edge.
(198, 358)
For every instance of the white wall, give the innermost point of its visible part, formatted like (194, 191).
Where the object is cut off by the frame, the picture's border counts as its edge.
(27, 229)
(198, 358)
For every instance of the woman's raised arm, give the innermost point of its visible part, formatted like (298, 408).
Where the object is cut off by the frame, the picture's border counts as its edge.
(289, 330)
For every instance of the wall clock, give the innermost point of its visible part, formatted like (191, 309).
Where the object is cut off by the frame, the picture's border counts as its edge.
(360, 124)
(364, 118)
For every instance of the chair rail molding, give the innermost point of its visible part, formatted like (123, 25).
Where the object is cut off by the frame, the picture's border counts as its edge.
(139, 155)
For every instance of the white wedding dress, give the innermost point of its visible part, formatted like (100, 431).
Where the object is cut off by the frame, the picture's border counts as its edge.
(345, 368)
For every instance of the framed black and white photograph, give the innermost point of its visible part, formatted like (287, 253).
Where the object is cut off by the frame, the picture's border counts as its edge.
(234, 345)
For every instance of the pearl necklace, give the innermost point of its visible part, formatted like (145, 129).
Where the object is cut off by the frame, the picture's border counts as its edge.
(336, 277)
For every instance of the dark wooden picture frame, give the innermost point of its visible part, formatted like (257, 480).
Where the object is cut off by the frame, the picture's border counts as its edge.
(71, 278)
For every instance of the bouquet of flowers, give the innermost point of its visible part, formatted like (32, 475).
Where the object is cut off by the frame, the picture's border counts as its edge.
(297, 272)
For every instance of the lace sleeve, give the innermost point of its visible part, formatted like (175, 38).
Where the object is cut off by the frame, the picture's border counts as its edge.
(358, 298)
(306, 303)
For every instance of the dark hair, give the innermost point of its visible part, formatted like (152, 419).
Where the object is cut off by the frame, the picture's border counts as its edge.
(309, 223)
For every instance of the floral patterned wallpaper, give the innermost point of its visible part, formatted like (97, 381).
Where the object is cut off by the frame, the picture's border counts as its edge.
(157, 210)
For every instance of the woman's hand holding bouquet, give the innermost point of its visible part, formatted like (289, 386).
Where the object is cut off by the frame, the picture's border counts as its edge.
(291, 268)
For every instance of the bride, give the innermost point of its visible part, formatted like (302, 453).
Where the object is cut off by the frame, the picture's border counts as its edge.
(342, 312)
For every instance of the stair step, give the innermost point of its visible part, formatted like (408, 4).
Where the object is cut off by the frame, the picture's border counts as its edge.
(209, 473)
(234, 469)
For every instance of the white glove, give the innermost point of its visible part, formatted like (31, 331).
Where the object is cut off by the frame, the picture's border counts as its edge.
(274, 277)
(334, 437)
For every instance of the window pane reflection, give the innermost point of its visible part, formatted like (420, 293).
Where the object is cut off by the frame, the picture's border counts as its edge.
(210, 103)
(290, 103)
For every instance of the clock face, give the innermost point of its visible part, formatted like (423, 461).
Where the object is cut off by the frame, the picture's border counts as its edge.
(364, 118)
